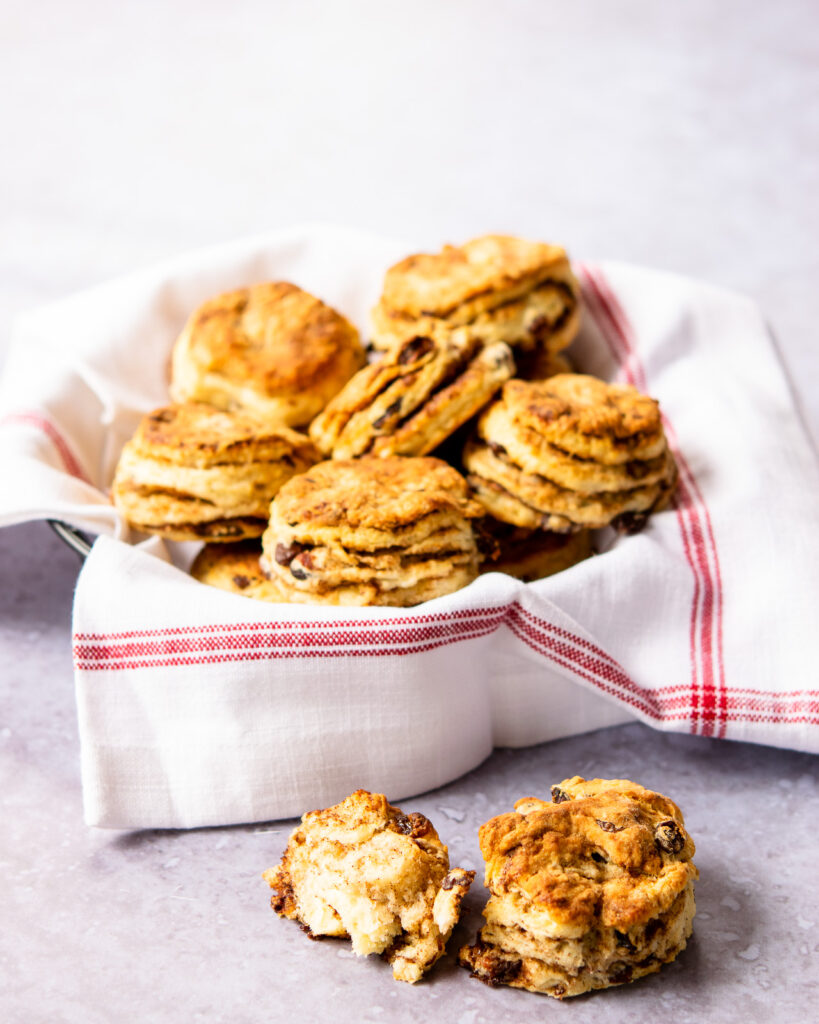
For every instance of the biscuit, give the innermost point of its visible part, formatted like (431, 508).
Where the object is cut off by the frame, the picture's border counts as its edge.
(571, 452)
(533, 501)
(413, 398)
(365, 870)
(235, 568)
(193, 472)
(529, 450)
(499, 287)
(372, 531)
(529, 555)
(586, 417)
(591, 890)
(271, 349)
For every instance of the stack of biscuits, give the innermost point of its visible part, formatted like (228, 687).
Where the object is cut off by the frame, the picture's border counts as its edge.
(372, 531)
(570, 453)
(192, 472)
(498, 287)
(467, 378)
(591, 890)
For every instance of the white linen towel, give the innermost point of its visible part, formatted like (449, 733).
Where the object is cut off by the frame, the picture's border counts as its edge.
(198, 707)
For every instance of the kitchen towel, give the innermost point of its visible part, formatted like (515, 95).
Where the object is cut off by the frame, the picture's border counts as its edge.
(200, 707)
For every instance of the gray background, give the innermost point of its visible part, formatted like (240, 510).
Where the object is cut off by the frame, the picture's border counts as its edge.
(678, 135)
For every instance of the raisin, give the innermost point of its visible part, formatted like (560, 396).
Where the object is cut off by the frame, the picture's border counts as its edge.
(415, 349)
(452, 880)
(609, 826)
(163, 416)
(539, 328)
(630, 522)
(414, 825)
(241, 581)
(391, 410)
(669, 837)
(297, 573)
(559, 796)
(502, 972)
(620, 973)
(285, 553)
(624, 941)
(599, 858)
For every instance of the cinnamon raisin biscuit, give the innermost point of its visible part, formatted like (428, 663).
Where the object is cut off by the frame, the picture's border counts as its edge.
(529, 555)
(584, 416)
(372, 531)
(528, 449)
(365, 870)
(271, 349)
(502, 288)
(193, 472)
(532, 500)
(235, 567)
(591, 890)
(413, 398)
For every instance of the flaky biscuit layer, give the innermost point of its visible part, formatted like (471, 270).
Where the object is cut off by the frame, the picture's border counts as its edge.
(190, 469)
(545, 499)
(366, 870)
(531, 452)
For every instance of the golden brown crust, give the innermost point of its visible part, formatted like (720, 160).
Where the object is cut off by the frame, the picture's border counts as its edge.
(271, 348)
(496, 289)
(216, 531)
(381, 493)
(197, 435)
(365, 870)
(561, 858)
(434, 284)
(591, 890)
(612, 423)
(372, 531)
(532, 453)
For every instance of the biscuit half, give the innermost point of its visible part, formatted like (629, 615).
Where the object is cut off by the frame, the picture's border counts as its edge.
(591, 890)
(193, 472)
(271, 349)
(372, 531)
(500, 287)
(365, 870)
(413, 398)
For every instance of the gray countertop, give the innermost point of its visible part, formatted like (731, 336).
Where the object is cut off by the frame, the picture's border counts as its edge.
(681, 136)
